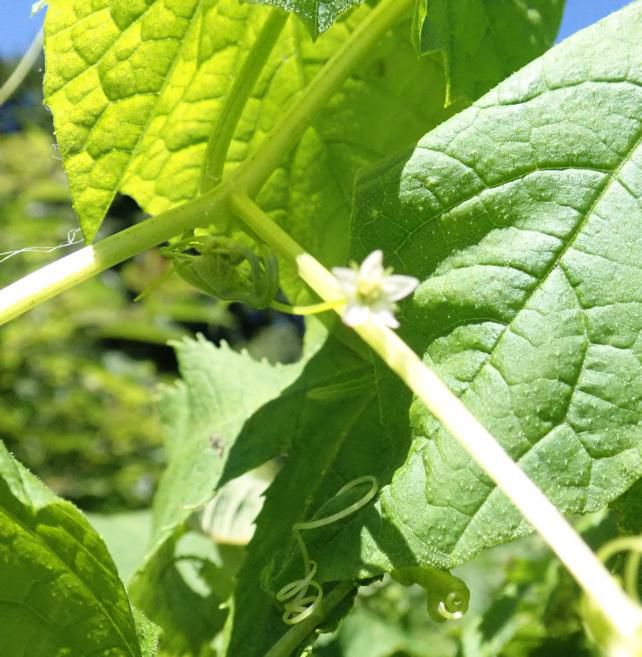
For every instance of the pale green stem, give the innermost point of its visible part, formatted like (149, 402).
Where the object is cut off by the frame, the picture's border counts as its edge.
(22, 70)
(235, 103)
(302, 311)
(296, 120)
(50, 280)
(209, 208)
(539, 511)
(294, 637)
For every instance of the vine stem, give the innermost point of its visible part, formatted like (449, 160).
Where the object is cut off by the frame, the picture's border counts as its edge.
(209, 208)
(623, 615)
(242, 88)
(22, 70)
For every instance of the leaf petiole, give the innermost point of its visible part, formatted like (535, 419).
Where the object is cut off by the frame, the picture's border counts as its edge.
(623, 615)
(244, 83)
(312, 309)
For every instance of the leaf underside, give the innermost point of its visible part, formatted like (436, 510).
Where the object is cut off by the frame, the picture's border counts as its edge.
(522, 216)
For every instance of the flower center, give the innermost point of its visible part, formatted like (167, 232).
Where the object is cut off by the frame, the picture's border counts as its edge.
(369, 292)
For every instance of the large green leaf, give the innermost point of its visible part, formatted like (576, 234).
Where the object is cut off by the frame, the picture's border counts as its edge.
(484, 41)
(523, 217)
(60, 591)
(136, 89)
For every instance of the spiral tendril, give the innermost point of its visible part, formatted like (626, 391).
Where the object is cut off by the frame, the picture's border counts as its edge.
(302, 597)
(452, 608)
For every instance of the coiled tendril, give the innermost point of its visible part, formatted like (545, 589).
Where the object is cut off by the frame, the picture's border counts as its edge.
(302, 597)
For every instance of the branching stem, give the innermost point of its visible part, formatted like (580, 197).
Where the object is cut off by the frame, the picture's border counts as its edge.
(209, 208)
(539, 511)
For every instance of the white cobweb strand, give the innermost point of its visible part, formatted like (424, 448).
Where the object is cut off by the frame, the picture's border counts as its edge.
(73, 237)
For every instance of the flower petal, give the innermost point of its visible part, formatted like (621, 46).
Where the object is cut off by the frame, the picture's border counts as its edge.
(385, 317)
(372, 267)
(355, 314)
(347, 278)
(397, 287)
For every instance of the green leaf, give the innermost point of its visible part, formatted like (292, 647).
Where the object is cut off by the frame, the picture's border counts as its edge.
(136, 89)
(181, 592)
(522, 216)
(60, 590)
(339, 431)
(203, 415)
(484, 41)
(318, 15)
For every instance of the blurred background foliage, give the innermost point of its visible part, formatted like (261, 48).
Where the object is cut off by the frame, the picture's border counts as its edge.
(78, 375)
(78, 385)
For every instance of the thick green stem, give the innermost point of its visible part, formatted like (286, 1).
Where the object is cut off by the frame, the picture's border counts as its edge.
(47, 282)
(539, 511)
(235, 103)
(294, 637)
(209, 208)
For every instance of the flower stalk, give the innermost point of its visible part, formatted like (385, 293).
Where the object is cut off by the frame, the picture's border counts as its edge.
(622, 614)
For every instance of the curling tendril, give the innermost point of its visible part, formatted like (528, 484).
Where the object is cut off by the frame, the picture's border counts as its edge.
(302, 597)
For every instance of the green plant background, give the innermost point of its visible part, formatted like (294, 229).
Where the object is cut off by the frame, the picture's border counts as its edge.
(78, 397)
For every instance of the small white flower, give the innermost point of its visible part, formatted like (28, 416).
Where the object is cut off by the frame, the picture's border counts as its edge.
(371, 291)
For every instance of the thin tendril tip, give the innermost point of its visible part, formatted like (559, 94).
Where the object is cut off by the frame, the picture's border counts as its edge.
(302, 597)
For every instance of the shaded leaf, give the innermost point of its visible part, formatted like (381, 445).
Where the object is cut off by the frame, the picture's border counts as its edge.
(60, 590)
(339, 432)
(180, 590)
(203, 416)
(484, 41)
